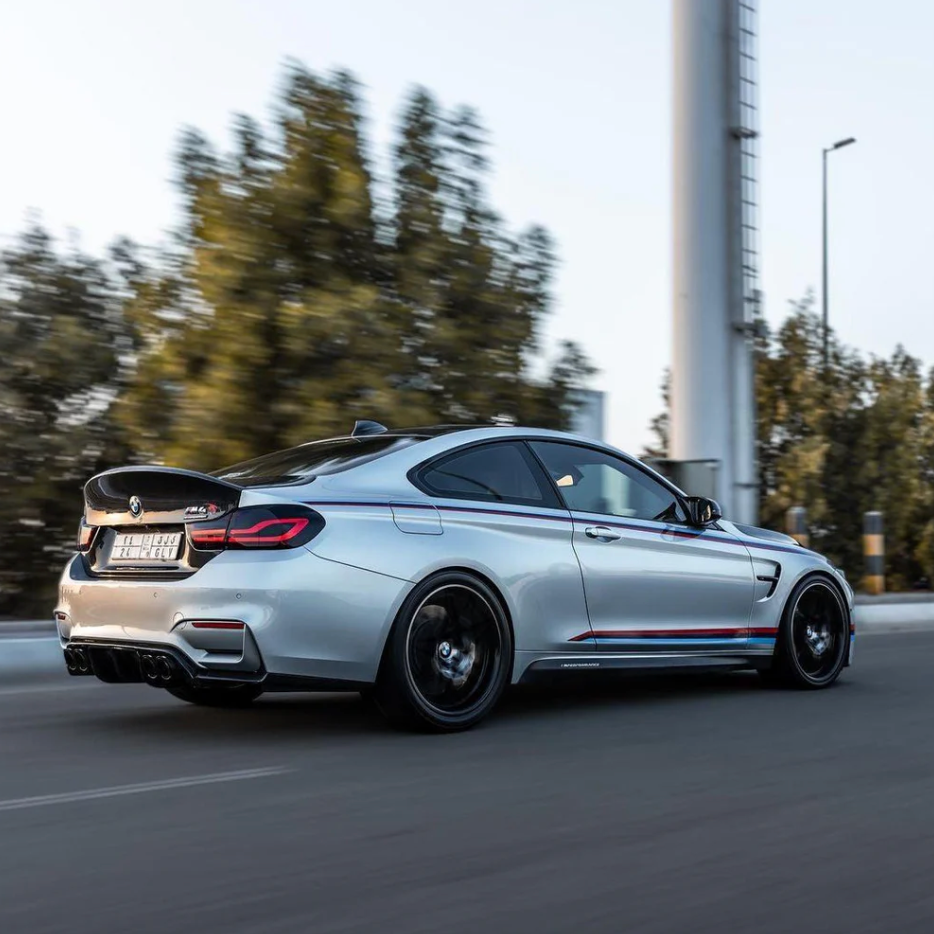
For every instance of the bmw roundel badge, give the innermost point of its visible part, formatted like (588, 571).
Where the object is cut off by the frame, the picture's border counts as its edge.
(136, 507)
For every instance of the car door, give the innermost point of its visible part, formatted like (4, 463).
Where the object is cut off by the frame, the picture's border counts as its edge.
(502, 518)
(652, 582)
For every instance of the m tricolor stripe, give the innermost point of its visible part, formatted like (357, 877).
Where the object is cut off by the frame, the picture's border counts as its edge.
(678, 635)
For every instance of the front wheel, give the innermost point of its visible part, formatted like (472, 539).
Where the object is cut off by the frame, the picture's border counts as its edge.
(221, 695)
(813, 637)
(449, 655)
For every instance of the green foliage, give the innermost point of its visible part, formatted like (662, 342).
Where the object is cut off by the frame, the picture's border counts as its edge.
(63, 338)
(296, 296)
(298, 303)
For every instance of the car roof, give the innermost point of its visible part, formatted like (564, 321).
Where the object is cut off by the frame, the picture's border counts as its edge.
(390, 470)
(387, 475)
(437, 431)
(420, 431)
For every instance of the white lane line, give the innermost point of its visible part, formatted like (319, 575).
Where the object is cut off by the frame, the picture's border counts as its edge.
(69, 797)
(51, 688)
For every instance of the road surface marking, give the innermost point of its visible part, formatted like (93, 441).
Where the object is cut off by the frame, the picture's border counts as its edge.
(70, 797)
(51, 688)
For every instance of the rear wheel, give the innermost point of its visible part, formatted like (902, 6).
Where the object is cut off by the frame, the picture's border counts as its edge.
(449, 655)
(220, 695)
(813, 637)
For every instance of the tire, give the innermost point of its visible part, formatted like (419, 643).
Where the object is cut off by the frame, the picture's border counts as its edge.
(813, 638)
(449, 655)
(226, 695)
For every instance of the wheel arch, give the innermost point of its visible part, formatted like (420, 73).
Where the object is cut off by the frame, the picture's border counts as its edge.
(808, 575)
(827, 577)
(498, 592)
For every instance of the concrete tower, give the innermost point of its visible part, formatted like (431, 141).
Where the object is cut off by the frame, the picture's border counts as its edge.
(715, 251)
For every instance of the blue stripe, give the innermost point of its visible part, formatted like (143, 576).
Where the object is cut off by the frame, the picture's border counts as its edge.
(741, 640)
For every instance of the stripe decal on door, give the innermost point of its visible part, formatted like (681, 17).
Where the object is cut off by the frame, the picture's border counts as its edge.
(758, 635)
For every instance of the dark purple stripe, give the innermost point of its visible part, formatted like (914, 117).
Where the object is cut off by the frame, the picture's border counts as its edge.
(597, 519)
(334, 502)
(505, 512)
(679, 533)
(468, 509)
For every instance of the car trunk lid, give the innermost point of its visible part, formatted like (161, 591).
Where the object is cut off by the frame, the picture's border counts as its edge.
(156, 496)
(141, 516)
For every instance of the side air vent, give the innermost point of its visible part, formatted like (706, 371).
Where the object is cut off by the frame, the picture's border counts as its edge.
(367, 427)
(768, 574)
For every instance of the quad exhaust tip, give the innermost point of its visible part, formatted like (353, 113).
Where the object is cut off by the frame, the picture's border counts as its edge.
(157, 668)
(77, 661)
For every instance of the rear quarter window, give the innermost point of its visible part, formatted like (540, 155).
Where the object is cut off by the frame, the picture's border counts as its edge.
(503, 472)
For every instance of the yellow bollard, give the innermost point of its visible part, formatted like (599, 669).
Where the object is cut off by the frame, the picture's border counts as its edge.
(874, 552)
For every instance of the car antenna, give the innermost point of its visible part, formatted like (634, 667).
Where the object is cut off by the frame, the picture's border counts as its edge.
(367, 427)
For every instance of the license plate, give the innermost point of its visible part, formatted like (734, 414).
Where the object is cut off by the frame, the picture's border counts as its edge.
(146, 546)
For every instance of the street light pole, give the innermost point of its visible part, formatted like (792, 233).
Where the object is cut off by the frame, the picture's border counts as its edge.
(824, 285)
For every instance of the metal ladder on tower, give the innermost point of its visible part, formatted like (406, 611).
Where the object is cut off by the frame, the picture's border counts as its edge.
(746, 131)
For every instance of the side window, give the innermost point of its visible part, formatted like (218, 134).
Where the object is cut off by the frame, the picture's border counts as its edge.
(593, 481)
(503, 472)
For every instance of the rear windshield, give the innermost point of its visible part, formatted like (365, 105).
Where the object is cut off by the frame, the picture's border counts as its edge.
(304, 463)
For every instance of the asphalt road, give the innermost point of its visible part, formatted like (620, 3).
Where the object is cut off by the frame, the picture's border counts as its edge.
(654, 805)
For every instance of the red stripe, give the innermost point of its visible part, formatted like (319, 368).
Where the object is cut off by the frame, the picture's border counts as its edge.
(741, 633)
(216, 624)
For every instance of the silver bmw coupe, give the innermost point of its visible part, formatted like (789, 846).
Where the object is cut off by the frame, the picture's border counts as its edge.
(429, 569)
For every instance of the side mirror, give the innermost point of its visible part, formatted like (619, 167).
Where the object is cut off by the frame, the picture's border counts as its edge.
(703, 511)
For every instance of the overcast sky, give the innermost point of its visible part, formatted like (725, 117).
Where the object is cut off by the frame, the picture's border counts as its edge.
(577, 98)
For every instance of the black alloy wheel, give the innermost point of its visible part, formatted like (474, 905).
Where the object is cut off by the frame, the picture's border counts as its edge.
(813, 638)
(449, 656)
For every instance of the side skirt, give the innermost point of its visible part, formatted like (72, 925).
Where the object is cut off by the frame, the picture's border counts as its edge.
(578, 663)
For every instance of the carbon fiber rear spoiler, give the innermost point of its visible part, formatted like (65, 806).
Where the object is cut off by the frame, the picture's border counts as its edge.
(156, 496)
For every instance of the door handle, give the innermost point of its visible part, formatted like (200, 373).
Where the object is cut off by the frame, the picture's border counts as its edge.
(602, 533)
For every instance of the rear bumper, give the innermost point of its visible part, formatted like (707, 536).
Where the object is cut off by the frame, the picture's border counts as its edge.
(304, 618)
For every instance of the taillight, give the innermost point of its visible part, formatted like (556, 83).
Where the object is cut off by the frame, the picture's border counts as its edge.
(86, 535)
(275, 526)
(207, 535)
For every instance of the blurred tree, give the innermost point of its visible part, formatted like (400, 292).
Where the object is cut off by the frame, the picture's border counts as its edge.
(295, 303)
(924, 553)
(282, 332)
(64, 350)
(290, 301)
(476, 298)
(660, 426)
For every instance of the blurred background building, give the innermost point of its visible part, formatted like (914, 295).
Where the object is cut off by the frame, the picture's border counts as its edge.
(589, 418)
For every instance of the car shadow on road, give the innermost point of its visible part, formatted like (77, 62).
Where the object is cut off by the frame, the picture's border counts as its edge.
(278, 717)
(273, 717)
(586, 692)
